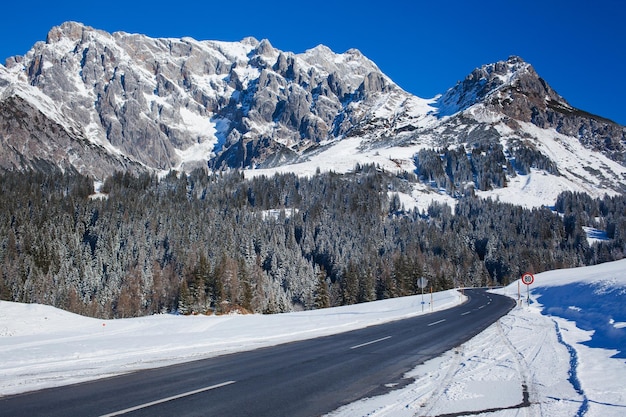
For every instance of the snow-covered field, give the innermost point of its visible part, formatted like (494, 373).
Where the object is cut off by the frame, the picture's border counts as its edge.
(562, 355)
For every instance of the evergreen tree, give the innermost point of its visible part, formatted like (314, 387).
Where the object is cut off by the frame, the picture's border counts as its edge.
(322, 298)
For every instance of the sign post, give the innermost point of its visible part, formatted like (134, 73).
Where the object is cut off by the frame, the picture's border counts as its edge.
(528, 279)
(422, 283)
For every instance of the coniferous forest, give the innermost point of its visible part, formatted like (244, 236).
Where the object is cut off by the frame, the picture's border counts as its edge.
(214, 243)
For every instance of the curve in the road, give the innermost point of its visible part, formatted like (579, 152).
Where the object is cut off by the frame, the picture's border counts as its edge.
(306, 378)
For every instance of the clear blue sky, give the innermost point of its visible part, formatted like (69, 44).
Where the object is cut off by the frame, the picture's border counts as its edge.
(578, 47)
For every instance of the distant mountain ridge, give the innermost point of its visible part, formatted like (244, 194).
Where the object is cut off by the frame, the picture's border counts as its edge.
(98, 103)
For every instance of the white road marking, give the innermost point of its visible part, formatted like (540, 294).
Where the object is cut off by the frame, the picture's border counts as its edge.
(164, 400)
(437, 322)
(467, 312)
(369, 343)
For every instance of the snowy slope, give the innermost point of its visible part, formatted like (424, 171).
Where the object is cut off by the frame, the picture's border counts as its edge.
(536, 189)
(532, 347)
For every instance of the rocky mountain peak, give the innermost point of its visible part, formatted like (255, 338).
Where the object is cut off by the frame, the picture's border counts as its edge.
(68, 30)
(513, 89)
(529, 98)
(265, 48)
(483, 82)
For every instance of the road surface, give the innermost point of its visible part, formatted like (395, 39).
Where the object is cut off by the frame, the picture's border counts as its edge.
(306, 378)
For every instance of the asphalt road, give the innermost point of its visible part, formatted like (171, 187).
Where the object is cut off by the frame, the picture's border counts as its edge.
(308, 378)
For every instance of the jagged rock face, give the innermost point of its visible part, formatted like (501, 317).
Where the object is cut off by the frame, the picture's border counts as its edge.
(134, 102)
(531, 99)
(159, 100)
(32, 140)
(479, 84)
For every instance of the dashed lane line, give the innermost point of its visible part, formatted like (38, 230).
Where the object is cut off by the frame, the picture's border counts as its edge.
(164, 400)
(371, 342)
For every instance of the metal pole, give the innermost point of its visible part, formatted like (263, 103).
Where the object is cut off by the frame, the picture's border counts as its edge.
(431, 299)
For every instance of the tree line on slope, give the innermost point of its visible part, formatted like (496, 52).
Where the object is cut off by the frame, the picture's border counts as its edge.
(212, 243)
(485, 166)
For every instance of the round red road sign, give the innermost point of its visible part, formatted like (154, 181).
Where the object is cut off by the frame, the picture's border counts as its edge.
(528, 278)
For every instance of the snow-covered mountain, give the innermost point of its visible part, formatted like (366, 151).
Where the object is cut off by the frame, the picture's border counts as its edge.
(180, 103)
(100, 102)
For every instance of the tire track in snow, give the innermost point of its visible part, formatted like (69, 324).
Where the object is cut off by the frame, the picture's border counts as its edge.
(522, 369)
(520, 365)
(446, 382)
